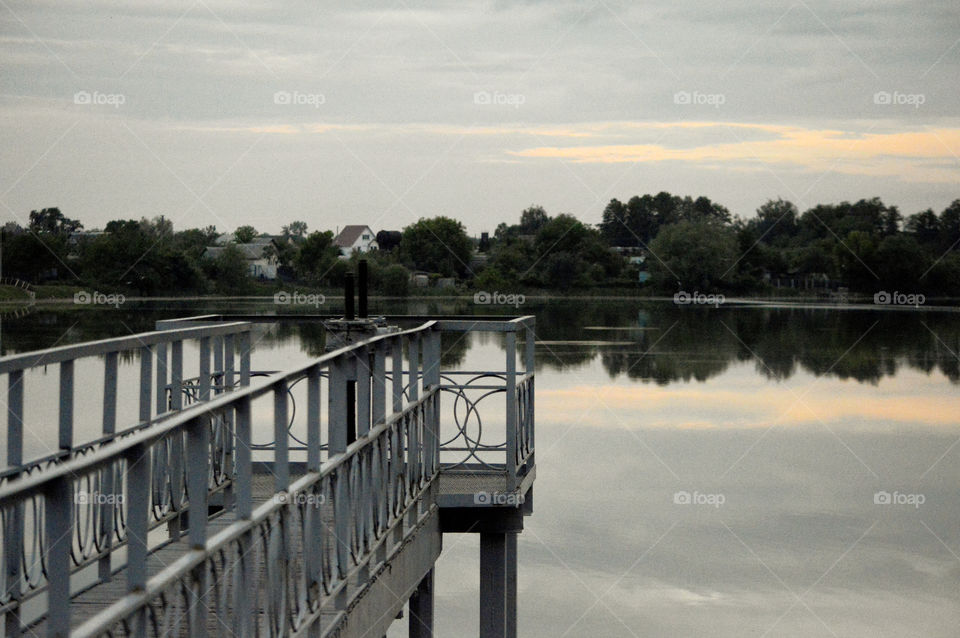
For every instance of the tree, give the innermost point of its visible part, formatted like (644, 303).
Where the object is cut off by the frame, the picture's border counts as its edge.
(776, 222)
(950, 226)
(856, 257)
(438, 244)
(696, 256)
(51, 220)
(296, 230)
(317, 255)
(532, 220)
(395, 280)
(900, 263)
(229, 271)
(924, 226)
(615, 226)
(245, 234)
(387, 240)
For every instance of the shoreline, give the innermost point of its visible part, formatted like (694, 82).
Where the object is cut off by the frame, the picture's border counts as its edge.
(766, 302)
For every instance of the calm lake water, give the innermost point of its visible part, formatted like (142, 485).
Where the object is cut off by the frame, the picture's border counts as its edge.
(786, 429)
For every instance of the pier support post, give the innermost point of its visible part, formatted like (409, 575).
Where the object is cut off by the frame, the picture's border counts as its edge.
(421, 609)
(498, 585)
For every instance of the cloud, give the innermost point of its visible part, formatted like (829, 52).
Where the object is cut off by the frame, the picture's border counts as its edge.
(900, 153)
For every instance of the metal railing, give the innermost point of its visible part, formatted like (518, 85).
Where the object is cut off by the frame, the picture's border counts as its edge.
(99, 523)
(271, 570)
(517, 450)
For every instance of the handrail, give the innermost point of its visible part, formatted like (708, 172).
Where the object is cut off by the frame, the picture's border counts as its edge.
(26, 360)
(106, 455)
(375, 484)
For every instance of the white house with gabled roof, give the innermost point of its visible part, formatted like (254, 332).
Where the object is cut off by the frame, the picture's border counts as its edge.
(355, 238)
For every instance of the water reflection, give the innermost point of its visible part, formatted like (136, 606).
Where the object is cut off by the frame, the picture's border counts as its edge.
(669, 343)
(651, 341)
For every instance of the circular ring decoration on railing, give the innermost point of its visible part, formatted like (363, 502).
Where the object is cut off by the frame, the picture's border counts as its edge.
(462, 419)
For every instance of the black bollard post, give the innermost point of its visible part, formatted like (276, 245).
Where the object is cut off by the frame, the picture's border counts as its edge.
(348, 297)
(362, 288)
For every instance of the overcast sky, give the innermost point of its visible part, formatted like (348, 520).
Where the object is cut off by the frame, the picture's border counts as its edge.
(381, 113)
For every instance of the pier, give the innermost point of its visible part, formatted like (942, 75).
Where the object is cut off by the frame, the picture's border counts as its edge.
(178, 519)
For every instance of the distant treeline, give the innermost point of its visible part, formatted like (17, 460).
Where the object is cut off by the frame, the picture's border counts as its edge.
(659, 243)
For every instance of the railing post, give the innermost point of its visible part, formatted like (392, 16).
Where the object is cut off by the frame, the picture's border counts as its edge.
(337, 438)
(396, 358)
(313, 545)
(138, 525)
(245, 358)
(226, 385)
(146, 381)
(364, 520)
(431, 378)
(244, 507)
(13, 531)
(205, 381)
(66, 405)
(511, 405)
(313, 419)
(381, 466)
(414, 445)
(281, 454)
(59, 537)
(198, 464)
(138, 507)
(161, 379)
(106, 505)
(176, 376)
(397, 463)
(379, 385)
(530, 369)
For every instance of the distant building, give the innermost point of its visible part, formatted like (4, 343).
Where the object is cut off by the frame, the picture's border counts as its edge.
(355, 238)
(261, 263)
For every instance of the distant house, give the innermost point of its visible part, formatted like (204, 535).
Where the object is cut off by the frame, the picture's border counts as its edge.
(355, 238)
(261, 263)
